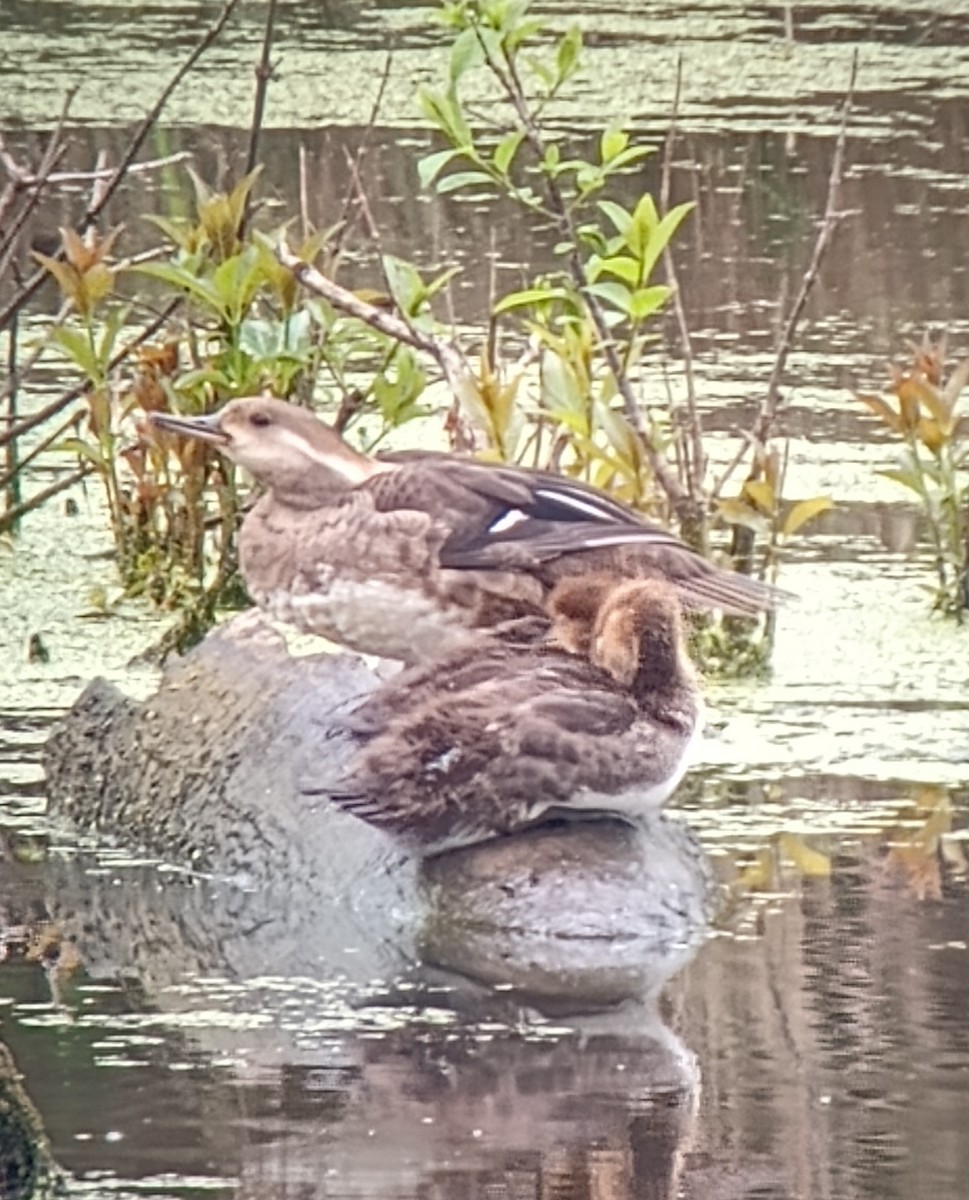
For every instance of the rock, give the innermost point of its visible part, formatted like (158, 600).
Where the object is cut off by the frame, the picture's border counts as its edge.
(206, 773)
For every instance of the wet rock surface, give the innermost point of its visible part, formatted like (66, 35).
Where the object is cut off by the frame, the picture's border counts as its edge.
(207, 772)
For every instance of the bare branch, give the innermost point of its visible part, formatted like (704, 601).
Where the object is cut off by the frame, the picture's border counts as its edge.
(27, 180)
(773, 401)
(515, 93)
(53, 151)
(346, 221)
(695, 462)
(141, 133)
(10, 518)
(75, 393)
(264, 74)
(446, 353)
(22, 463)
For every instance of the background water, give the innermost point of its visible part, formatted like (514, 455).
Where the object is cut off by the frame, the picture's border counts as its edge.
(818, 1043)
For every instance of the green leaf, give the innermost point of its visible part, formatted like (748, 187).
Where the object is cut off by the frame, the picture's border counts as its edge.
(83, 450)
(77, 346)
(804, 511)
(909, 479)
(620, 217)
(545, 75)
(644, 221)
(429, 167)
(623, 267)
(405, 283)
(506, 150)
(523, 32)
(645, 301)
(444, 111)
(265, 340)
(463, 179)
(236, 282)
(612, 142)
(536, 295)
(661, 234)
(195, 285)
(178, 231)
(567, 54)
(552, 158)
(562, 394)
(439, 282)
(113, 324)
(466, 53)
(615, 294)
(627, 157)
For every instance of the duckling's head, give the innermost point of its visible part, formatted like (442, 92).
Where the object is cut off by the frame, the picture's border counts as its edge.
(283, 446)
(638, 636)
(573, 606)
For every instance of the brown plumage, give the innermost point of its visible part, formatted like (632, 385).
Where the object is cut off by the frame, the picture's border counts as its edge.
(404, 554)
(514, 729)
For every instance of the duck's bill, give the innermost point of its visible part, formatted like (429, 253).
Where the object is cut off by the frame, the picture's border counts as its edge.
(206, 428)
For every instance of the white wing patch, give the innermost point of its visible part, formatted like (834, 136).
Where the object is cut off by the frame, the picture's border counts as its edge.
(507, 520)
(570, 500)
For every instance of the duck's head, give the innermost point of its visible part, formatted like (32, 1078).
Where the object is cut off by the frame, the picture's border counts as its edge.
(285, 447)
(638, 635)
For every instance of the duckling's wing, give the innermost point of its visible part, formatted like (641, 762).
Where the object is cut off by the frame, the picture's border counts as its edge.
(578, 715)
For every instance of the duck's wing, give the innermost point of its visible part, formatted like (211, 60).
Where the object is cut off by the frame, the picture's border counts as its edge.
(492, 511)
(489, 760)
(512, 648)
(508, 518)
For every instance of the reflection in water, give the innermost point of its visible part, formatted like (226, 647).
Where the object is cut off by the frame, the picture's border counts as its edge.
(833, 1042)
(816, 1046)
(199, 1048)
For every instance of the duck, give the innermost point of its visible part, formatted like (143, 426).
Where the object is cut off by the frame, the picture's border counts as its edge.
(405, 555)
(592, 712)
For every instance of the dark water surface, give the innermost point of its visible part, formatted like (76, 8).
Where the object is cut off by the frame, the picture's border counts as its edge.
(817, 1044)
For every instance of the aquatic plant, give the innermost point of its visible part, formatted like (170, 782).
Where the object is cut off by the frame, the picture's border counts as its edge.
(242, 310)
(921, 412)
(590, 323)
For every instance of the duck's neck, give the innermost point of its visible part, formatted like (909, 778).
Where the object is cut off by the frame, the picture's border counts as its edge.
(324, 482)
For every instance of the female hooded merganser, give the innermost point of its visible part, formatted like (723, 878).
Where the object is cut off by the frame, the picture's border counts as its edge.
(404, 555)
(594, 710)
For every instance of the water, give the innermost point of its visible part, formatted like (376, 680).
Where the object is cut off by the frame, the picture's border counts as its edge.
(816, 1045)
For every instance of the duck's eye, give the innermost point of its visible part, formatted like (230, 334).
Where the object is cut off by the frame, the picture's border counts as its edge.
(260, 419)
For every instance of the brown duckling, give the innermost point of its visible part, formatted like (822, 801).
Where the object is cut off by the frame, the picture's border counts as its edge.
(514, 729)
(405, 555)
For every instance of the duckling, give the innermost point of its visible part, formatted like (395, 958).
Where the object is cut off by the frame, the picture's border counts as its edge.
(515, 728)
(406, 555)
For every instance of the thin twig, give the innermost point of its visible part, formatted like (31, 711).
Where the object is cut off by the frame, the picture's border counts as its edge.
(446, 353)
(75, 393)
(9, 519)
(695, 462)
(11, 479)
(22, 463)
(26, 181)
(345, 221)
(264, 74)
(52, 153)
(37, 353)
(140, 135)
(772, 402)
(662, 472)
